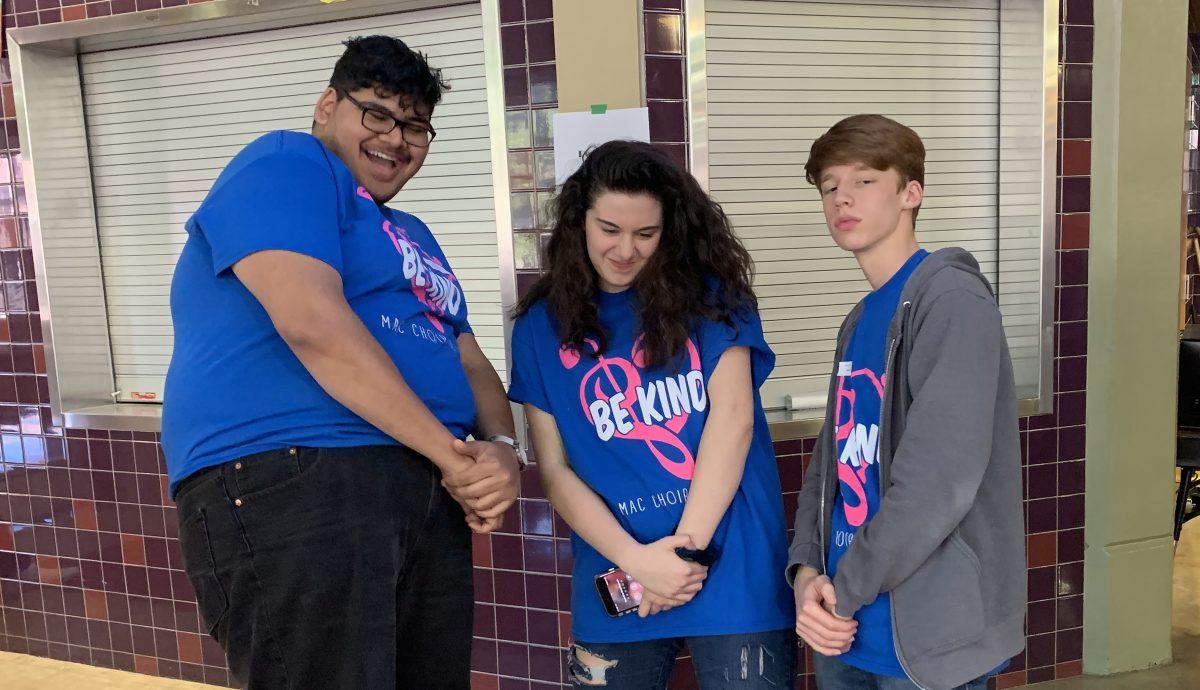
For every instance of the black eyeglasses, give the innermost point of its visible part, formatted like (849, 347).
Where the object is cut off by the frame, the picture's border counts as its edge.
(381, 122)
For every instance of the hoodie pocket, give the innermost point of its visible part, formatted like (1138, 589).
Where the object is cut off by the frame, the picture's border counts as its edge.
(940, 606)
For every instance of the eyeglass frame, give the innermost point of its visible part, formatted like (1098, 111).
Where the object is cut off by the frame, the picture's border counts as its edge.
(396, 122)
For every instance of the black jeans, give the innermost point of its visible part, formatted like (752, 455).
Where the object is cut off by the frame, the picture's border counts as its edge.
(331, 568)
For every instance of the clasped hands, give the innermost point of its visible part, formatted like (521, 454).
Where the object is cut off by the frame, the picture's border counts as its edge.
(486, 488)
(664, 579)
(817, 622)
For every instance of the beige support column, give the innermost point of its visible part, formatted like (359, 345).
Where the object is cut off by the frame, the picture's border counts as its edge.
(1138, 119)
(598, 54)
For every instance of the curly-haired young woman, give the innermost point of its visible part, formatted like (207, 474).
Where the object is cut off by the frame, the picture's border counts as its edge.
(638, 357)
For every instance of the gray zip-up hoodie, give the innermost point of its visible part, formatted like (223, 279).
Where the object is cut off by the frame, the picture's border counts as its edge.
(948, 540)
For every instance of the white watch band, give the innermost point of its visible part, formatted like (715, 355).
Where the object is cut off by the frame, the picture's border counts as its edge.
(514, 444)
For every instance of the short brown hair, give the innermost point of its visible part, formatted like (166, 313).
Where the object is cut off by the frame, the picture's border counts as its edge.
(873, 140)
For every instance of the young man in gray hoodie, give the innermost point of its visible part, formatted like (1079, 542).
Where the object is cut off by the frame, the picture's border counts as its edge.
(908, 560)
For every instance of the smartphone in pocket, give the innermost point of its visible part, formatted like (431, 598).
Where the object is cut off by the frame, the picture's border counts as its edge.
(618, 591)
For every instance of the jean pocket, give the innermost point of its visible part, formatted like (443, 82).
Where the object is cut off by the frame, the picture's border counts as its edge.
(263, 474)
(198, 561)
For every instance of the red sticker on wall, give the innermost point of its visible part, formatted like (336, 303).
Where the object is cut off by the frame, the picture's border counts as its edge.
(143, 396)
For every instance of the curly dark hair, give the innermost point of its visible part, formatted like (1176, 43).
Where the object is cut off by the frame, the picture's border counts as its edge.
(388, 65)
(699, 272)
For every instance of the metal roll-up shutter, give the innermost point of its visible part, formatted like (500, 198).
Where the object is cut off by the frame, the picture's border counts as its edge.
(164, 120)
(779, 74)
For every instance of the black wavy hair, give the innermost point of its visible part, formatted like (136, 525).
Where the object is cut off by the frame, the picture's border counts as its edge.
(389, 66)
(700, 270)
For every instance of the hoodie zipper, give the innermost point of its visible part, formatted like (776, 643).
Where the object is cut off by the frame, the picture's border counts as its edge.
(821, 526)
(886, 399)
(887, 370)
(821, 516)
(839, 352)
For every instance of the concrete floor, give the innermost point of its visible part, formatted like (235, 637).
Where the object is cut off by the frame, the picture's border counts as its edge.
(23, 672)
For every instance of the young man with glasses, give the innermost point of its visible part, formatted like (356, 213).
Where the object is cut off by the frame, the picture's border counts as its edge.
(323, 381)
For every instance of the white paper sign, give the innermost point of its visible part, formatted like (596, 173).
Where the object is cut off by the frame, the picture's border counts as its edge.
(576, 133)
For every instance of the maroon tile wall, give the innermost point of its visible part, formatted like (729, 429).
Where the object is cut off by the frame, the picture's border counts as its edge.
(89, 562)
(1054, 443)
(522, 573)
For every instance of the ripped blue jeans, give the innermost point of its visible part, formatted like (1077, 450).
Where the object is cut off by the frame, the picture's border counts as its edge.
(747, 662)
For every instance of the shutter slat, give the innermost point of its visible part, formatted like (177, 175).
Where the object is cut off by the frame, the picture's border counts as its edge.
(779, 74)
(165, 119)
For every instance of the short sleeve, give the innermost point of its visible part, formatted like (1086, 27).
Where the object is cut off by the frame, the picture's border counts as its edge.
(527, 385)
(282, 200)
(746, 331)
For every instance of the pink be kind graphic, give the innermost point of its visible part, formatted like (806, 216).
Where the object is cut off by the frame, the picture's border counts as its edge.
(432, 283)
(620, 405)
(861, 448)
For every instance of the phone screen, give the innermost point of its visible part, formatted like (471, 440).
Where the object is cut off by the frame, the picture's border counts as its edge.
(619, 592)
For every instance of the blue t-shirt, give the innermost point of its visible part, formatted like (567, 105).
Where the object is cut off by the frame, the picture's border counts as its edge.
(234, 387)
(859, 397)
(632, 435)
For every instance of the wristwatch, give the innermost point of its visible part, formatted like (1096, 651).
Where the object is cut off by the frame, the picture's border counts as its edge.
(705, 557)
(522, 458)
